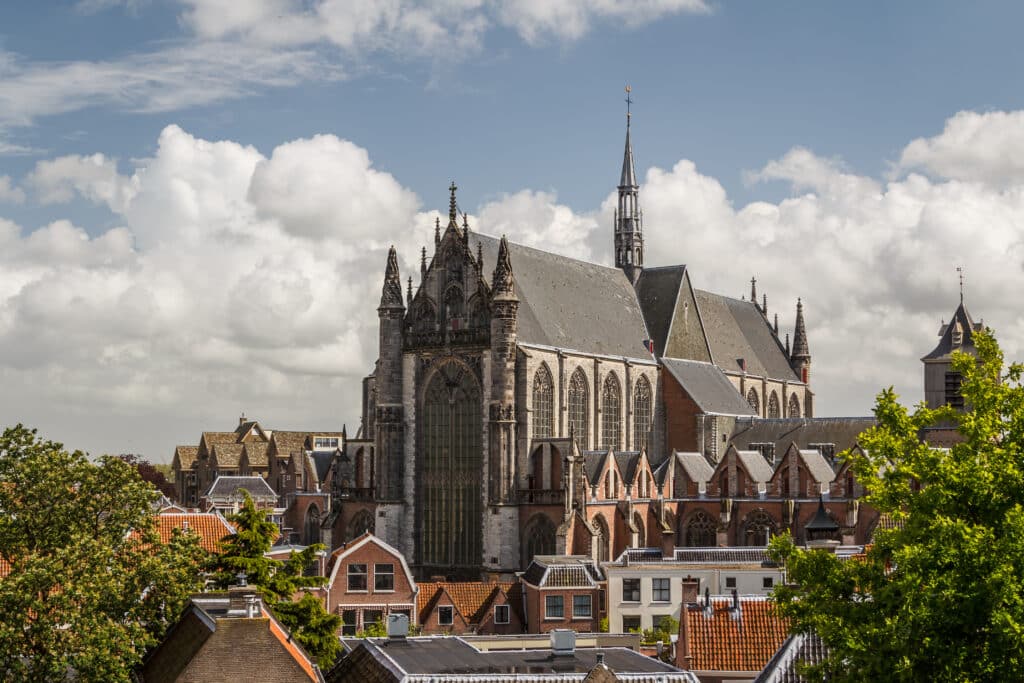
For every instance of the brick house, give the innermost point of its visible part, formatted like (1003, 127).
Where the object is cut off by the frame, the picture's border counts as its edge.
(480, 607)
(563, 592)
(367, 580)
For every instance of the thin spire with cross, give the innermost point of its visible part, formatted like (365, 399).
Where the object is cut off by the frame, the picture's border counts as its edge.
(960, 273)
(629, 101)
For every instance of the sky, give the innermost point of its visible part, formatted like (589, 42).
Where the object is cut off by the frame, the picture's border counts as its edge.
(197, 196)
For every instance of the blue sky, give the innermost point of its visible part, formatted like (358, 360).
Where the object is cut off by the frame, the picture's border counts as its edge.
(763, 124)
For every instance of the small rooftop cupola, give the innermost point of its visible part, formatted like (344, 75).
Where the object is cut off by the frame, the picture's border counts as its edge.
(800, 357)
(391, 295)
(822, 527)
(941, 383)
(629, 237)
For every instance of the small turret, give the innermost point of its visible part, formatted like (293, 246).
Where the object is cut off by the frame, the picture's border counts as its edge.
(391, 295)
(800, 358)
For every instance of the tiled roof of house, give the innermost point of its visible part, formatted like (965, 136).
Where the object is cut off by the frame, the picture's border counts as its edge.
(724, 639)
(210, 526)
(288, 442)
(186, 456)
(470, 598)
(212, 438)
(256, 453)
(230, 488)
(227, 454)
(562, 571)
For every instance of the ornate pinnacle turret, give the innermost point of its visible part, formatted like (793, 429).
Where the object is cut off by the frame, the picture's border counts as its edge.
(480, 257)
(409, 296)
(501, 282)
(764, 304)
(391, 295)
(437, 232)
(800, 358)
(452, 211)
(776, 324)
(629, 238)
(423, 263)
(753, 290)
(787, 343)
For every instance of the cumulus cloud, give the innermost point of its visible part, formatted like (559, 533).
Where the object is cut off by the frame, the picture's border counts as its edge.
(243, 281)
(10, 192)
(537, 20)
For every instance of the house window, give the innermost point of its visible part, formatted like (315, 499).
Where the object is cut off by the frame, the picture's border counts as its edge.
(553, 607)
(384, 577)
(630, 624)
(322, 443)
(660, 591)
(730, 582)
(631, 590)
(581, 607)
(372, 616)
(348, 622)
(357, 577)
(767, 582)
(445, 615)
(501, 614)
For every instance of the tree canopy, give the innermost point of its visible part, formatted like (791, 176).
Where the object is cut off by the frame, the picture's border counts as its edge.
(279, 580)
(88, 586)
(940, 597)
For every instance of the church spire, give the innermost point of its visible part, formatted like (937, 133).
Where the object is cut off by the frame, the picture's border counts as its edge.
(391, 295)
(501, 281)
(800, 358)
(629, 239)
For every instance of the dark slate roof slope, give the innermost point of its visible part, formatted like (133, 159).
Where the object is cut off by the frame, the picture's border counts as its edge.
(803, 431)
(570, 304)
(657, 290)
(708, 387)
(737, 329)
(968, 327)
(231, 488)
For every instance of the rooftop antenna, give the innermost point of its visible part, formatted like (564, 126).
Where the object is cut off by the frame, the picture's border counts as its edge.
(960, 273)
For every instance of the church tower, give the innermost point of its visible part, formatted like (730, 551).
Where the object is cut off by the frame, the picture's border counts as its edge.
(389, 423)
(629, 236)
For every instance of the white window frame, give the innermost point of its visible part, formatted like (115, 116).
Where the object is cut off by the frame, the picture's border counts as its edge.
(548, 604)
(499, 609)
(654, 589)
(590, 607)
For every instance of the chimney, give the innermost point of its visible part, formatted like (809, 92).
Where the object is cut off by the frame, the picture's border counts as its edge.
(691, 589)
(251, 609)
(563, 642)
(668, 544)
(684, 658)
(600, 658)
(241, 420)
(241, 601)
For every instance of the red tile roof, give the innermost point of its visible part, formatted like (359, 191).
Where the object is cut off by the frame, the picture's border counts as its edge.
(724, 641)
(469, 597)
(210, 526)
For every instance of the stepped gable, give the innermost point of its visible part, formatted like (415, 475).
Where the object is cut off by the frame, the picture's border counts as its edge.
(569, 304)
(708, 386)
(737, 329)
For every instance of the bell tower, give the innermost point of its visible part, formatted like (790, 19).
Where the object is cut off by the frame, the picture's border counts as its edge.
(629, 235)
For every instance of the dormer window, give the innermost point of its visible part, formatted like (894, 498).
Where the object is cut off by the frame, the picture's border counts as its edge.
(958, 334)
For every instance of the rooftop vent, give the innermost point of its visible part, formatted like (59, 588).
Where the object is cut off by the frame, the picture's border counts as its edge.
(398, 626)
(563, 642)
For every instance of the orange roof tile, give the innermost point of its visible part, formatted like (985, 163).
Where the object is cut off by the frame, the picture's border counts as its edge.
(723, 642)
(210, 526)
(469, 597)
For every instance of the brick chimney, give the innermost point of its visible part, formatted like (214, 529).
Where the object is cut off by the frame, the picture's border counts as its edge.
(691, 589)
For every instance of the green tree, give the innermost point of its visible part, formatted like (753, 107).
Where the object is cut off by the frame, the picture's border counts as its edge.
(279, 581)
(86, 593)
(941, 597)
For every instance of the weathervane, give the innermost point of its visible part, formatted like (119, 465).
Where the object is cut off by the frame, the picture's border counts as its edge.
(629, 101)
(960, 272)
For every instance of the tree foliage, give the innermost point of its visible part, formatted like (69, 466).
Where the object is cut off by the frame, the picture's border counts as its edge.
(89, 587)
(940, 597)
(279, 581)
(154, 474)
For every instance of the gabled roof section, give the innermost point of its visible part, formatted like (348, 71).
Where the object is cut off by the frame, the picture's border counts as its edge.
(186, 456)
(563, 571)
(657, 290)
(738, 330)
(322, 464)
(724, 639)
(256, 453)
(708, 386)
(961, 323)
(470, 598)
(355, 544)
(804, 431)
(627, 462)
(799, 649)
(227, 454)
(569, 304)
(756, 467)
(285, 443)
(211, 527)
(817, 466)
(230, 488)
(695, 465)
(595, 462)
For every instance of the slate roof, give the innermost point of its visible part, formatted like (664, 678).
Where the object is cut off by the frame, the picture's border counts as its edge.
(210, 526)
(968, 327)
(723, 641)
(227, 454)
(708, 386)
(627, 462)
(570, 304)
(186, 456)
(801, 648)
(803, 431)
(230, 488)
(563, 571)
(721, 555)
(737, 329)
(755, 464)
(593, 461)
(657, 290)
(695, 465)
(438, 658)
(322, 463)
(817, 466)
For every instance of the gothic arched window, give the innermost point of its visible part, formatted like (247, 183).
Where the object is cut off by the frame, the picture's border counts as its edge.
(641, 535)
(542, 404)
(794, 406)
(454, 302)
(359, 525)
(578, 407)
(538, 538)
(700, 531)
(753, 400)
(641, 413)
(602, 539)
(758, 528)
(312, 531)
(773, 406)
(611, 414)
(450, 466)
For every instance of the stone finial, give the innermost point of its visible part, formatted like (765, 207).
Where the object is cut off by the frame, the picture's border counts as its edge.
(801, 350)
(437, 232)
(391, 295)
(501, 281)
(753, 290)
(764, 304)
(776, 324)
(452, 211)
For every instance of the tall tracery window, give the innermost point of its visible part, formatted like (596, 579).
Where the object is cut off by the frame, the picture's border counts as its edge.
(753, 401)
(758, 528)
(538, 538)
(542, 405)
(312, 531)
(641, 413)
(794, 406)
(773, 405)
(611, 413)
(578, 407)
(450, 508)
(700, 531)
(601, 540)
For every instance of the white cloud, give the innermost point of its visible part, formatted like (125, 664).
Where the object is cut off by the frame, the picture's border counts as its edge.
(9, 192)
(240, 281)
(983, 147)
(537, 20)
(93, 177)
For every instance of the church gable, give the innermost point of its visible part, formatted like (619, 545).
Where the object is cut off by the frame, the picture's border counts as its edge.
(671, 314)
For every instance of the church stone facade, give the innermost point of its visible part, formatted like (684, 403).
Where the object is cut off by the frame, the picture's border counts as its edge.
(505, 369)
